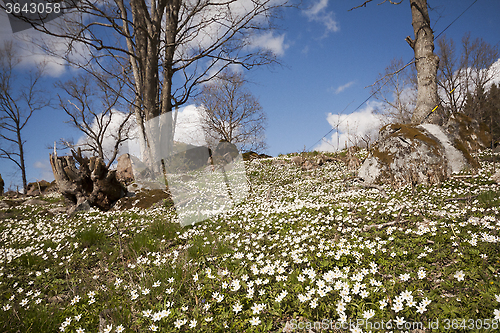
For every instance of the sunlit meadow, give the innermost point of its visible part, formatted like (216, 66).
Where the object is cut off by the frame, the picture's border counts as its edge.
(297, 252)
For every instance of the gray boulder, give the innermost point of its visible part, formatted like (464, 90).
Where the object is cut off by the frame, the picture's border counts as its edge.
(298, 160)
(496, 177)
(124, 170)
(422, 154)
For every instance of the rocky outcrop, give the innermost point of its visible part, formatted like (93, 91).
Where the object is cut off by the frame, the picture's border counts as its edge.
(310, 163)
(41, 187)
(251, 155)
(468, 132)
(144, 198)
(496, 177)
(130, 168)
(124, 170)
(423, 154)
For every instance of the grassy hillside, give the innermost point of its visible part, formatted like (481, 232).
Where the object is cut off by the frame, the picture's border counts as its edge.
(307, 248)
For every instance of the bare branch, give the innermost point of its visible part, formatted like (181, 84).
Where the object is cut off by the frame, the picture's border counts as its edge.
(367, 1)
(391, 74)
(231, 113)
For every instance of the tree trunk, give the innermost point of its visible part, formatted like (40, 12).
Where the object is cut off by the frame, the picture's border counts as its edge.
(89, 184)
(426, 62)
(21, 161)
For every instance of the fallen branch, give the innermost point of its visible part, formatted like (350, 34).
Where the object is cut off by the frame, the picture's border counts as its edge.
(462, 198)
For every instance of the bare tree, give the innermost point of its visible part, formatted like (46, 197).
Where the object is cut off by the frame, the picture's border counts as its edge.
(426, 62)
(166, 48)
(231, 113)
(397, 90)
(449, 77)
(465, 74)
(20, 97)
(93, 108)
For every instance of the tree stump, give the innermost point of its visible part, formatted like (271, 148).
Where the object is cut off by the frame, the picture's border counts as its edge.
(86, 182)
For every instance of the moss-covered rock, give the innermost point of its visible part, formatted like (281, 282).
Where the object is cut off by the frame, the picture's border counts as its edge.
(144, 199)
(423, 154)
(251, 155)
(468, 135)
(41, 187)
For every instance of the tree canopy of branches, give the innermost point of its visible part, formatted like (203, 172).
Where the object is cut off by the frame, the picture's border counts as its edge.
(396, 88)
(93, 109)
(231, 113)
(166, 48)
(467, 73)
(20, 97)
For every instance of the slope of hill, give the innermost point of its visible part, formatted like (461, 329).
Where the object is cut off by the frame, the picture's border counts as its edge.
(308, 249)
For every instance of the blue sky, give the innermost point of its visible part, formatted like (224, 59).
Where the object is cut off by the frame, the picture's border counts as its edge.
(329, 56)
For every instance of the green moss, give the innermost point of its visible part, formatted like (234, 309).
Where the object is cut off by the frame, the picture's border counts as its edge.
(405, 131)
(460, 146)
(384, 157)
(411, 132)
(484, 135)
(465, 130)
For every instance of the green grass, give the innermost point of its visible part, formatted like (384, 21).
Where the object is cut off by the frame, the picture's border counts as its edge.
(295, 257)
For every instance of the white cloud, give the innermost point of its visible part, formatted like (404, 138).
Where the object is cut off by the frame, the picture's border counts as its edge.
(44, 170)
(188, 128)
(317, 8)
(318, 13)
(218, 22)
(343, 87)
(112, 130)
(268, 41)
(496, 69)
(30, 54)
(351, 128)
(466, 81)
